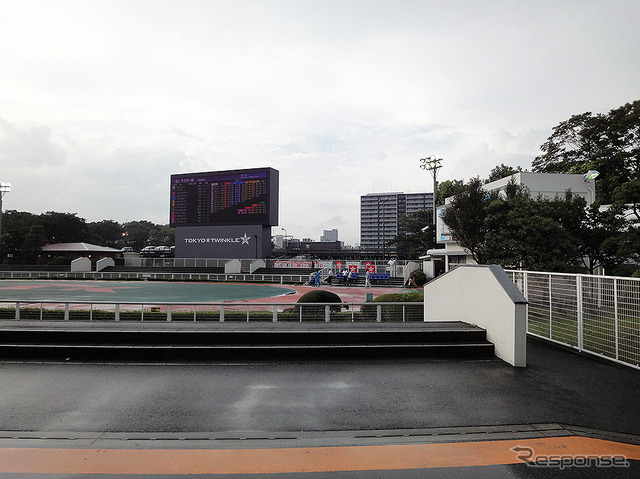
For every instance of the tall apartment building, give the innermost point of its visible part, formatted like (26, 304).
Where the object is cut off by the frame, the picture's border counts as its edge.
(380, 215)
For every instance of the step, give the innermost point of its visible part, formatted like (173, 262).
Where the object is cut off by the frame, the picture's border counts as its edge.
(255, 337)
(154, 353)
(169, 341)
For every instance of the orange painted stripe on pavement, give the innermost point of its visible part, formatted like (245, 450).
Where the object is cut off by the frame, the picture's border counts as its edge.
(297, 460)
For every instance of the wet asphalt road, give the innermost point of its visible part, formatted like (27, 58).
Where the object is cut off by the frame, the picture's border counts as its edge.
(556, 387)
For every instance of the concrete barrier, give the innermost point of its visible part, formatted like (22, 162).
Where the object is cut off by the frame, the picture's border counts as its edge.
(233, 266)
(81, 265)
(257, 264)
(104, 263)
(485, 296)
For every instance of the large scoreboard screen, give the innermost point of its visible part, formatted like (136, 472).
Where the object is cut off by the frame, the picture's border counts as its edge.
(217, 198)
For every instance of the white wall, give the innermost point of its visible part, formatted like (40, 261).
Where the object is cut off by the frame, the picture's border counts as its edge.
(549, 184)
(104, 263)
(233, 266)
(482, 295)
(81, 265)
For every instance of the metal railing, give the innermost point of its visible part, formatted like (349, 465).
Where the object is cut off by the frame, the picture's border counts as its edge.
(220, 312)
(138, 261)
(595, 314)
(159, 276)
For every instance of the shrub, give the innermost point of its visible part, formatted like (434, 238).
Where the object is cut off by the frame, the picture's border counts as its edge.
(413, 296)
(317, 312)
(418, 278)
(319, 296)
(394, 312)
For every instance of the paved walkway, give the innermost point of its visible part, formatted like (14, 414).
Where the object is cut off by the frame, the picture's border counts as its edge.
(330, 419)
(565, 416)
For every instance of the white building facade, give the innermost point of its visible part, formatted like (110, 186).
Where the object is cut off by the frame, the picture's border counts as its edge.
(546, 185)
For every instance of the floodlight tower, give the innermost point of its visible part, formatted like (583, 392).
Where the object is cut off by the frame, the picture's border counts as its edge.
(432, 164)
(285, 243)
(4, 188)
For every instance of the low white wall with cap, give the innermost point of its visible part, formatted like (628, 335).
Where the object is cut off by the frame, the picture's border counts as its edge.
(482, 295)
(81, 265)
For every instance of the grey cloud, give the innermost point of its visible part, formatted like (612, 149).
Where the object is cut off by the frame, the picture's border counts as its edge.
(33, 147)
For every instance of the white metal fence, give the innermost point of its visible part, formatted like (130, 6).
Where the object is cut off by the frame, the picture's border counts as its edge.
(220, 312)
(158, 276)
(596, 314)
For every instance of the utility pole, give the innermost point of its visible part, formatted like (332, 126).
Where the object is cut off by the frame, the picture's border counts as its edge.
(433, 164)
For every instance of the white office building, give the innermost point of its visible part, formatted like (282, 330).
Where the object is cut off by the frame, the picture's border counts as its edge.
(547, 185)
(329, 235)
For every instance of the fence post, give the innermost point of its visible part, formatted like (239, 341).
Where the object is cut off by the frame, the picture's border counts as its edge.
(579, 300)
(327, 313)
(117, 316)
(168, 312)
(222, 313)
(615, 314)
(66, 311)
(17, 310)
(275, 313)
(379, 313)
(550, 311)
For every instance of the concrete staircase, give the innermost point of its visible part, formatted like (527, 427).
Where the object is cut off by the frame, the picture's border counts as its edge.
(179, 342)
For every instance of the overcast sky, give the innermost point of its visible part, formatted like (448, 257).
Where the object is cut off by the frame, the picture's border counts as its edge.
(101, 101)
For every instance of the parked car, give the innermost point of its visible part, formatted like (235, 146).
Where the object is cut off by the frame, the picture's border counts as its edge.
(148, 251)
(127, 249)
(163, 251)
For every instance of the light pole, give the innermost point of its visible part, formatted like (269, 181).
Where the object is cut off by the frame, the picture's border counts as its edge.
(285, 243)
(590, 179)
(432, 164)
(4, 188)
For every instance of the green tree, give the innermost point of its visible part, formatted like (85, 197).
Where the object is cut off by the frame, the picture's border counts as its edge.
(528, 233)
(628, 195)
(465, 216)
(137, 233)
(162, 235)
(15, 227)
(607, 143)
(64, 227)
(106, 233)
(447, 189)
(516, 231)
(604, 240)
(414, 240)
(34, 241)
(502, 171)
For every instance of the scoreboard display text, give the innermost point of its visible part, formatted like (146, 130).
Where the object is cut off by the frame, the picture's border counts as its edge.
(237, 197)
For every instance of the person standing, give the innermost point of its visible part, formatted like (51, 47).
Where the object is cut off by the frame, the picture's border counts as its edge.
(367, 279)
(350, 277)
